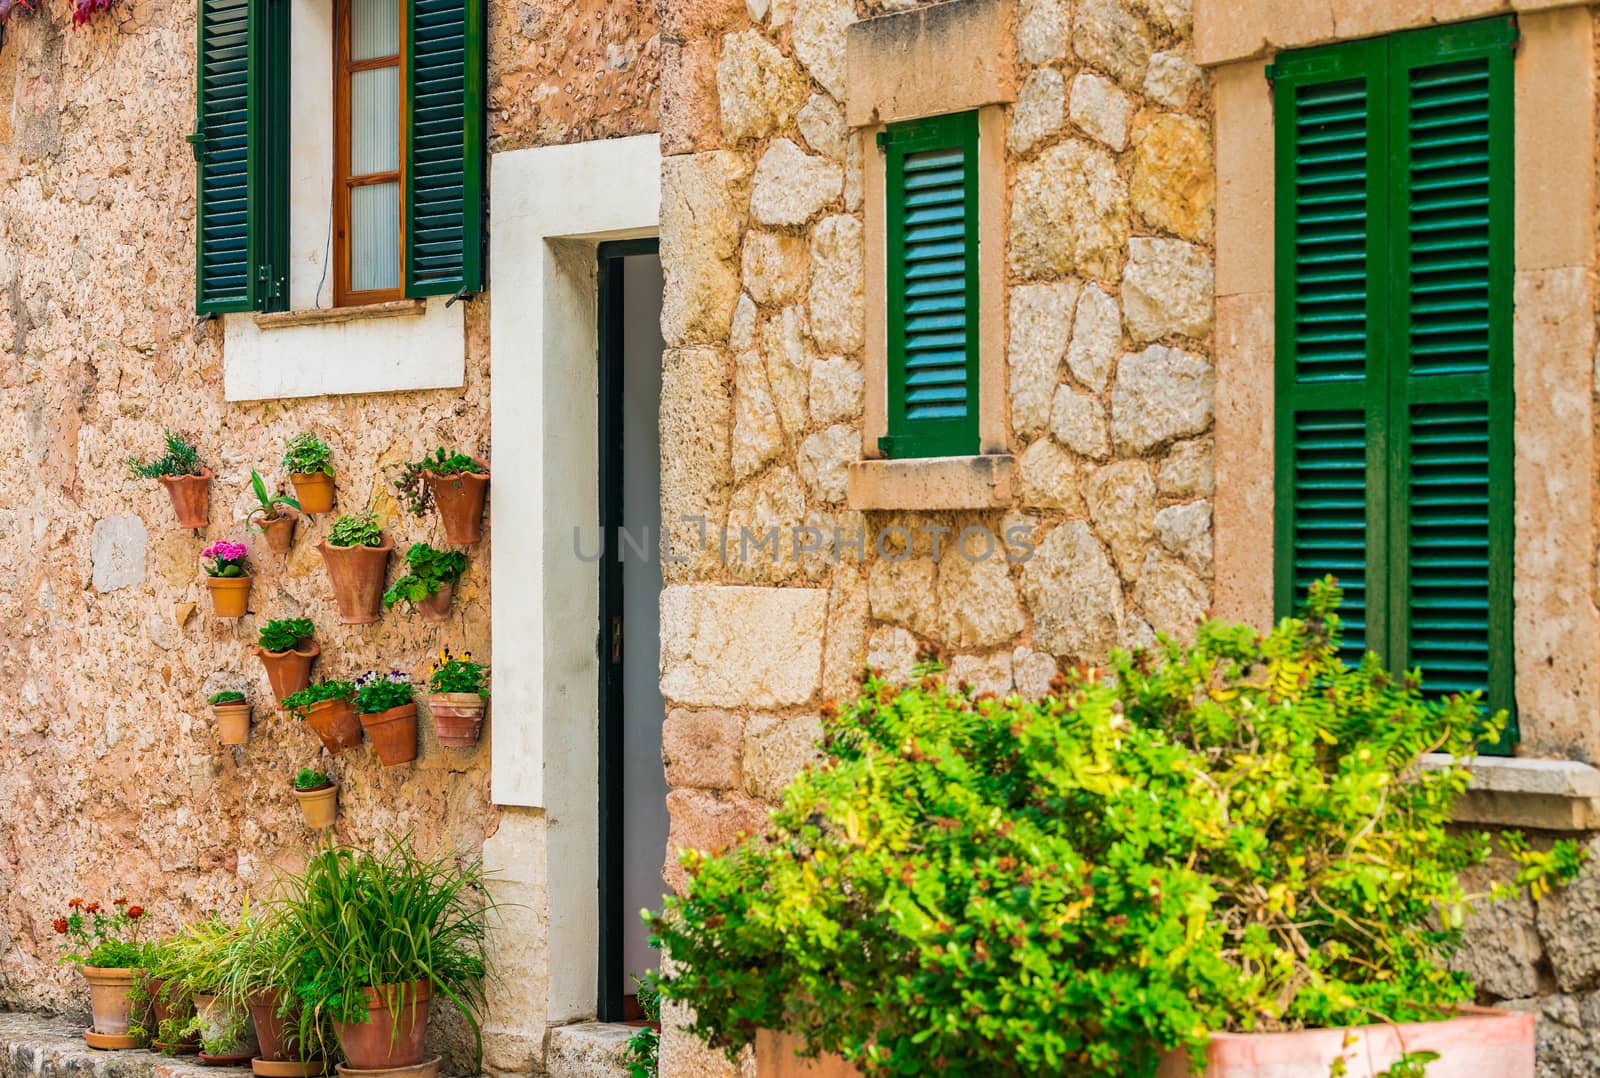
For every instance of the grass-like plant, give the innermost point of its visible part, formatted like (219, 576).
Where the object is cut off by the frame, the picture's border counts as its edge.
(358, 919)
(285, 634)
(427, 571)
(181, 457)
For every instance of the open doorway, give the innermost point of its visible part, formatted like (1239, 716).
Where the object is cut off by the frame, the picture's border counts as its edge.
(633, 787)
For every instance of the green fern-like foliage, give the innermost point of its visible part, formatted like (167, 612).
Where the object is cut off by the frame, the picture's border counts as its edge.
(180, 457)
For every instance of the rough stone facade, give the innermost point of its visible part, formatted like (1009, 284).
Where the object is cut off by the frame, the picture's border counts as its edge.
(111, 778)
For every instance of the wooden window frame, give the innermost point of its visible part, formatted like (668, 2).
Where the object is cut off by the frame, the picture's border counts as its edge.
(343, 181)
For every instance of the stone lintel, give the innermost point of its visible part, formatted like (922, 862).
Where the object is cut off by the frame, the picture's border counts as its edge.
(933, 483)
(1543, 794)
(948, 57)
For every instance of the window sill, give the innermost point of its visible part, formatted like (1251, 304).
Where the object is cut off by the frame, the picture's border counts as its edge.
(1539, 794)
(934, 483)
(323, 316)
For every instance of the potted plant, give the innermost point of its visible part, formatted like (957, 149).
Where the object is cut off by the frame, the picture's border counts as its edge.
(388, 711)
(318, 797)
(228, 577)
(356, 553)
(286, 651)
(458, 696)
(326, 708)
(454, 482)
(104, 945)
(378, 938)
(188, 481)
(232, 712)
(162, 1005)
(429, 582)
(1198, 845)
(274, 515)
(209, 961)
(308, 460)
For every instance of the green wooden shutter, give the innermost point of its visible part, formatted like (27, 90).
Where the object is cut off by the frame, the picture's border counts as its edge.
(1394, 442)
(1332, 409)
(444, 147)
(932, 263)
(1450, 386)
(241, 154)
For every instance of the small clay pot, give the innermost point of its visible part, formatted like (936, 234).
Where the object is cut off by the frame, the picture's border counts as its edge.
(108, 999)
(233, 722)
(288, 671)
(169, 1003)
(319, 806)
(428, 1068)
(314, 492)
(279, 530)
(457, 717)
(217, 1014)
(392, 1036)
(357, 573)
(393, 734)
(273, 1033)
(191, 497)
(435, 609)
(230, 595)
(459, 499)
(335, 722)
(283, 1068)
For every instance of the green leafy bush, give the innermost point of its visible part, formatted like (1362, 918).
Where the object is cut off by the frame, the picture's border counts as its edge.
(285, 634)
(226, 698)
(180, 458)
(306, 454)
(642, 1054)
(356, 529)
(308, 778)
(377, 692)
(452, 674)
(429, 569)
(412, 487)
(1237, 835)
(301, 702)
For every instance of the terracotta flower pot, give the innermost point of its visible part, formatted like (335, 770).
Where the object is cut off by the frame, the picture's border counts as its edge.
(392, 1036)
(435, 609)
(314, 492)
(457, 717)
(319, 806)
(428, 1068)
(216, 1016)
(357, 573)
(108, 999)
(230, 595)
(335, 722)
(274, 1033)
(288, 671)
(460, 502)
(233, 723)
(393, 734)
(169, 1006)
(279, 530)
(191, 497)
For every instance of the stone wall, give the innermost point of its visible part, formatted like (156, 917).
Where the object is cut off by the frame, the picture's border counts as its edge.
(111, 779)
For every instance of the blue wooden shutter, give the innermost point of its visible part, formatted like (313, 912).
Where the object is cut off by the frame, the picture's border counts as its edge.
(444, 147)
(932, 263)
(241, 154)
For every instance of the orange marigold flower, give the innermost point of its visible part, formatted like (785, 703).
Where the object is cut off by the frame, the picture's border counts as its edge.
(60, 925)
(135, 912)
(119, 902)
(75, 903)
(93, 907)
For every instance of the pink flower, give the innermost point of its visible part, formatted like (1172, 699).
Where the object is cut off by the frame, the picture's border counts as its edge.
(223, 550)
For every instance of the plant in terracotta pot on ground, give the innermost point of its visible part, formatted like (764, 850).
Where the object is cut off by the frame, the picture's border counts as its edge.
(327, 707)
(308, 461)
(207, 961)
(162, 1006)
(454, 482)
(378, 938)
(458, 696)
(286, 651)
(187, 479)
(227, 569)
(430, 580)
(103, 942)
(275, 515)
(1153, 867)
(232, 712)
(356, 553)
(318, 797)
(388, 709)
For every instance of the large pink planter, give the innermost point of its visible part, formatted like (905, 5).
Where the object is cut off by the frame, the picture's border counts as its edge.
(1478, 1044)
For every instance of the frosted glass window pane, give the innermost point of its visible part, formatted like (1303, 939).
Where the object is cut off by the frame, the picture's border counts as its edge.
(374, 29)
(374, 120)
(374, 236)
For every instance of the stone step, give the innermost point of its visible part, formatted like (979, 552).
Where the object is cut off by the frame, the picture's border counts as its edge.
(37, 1046)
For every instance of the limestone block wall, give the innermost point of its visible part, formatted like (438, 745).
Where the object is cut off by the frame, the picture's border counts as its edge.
(111, 778)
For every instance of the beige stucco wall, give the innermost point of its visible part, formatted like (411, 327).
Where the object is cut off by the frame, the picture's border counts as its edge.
(111, 779)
